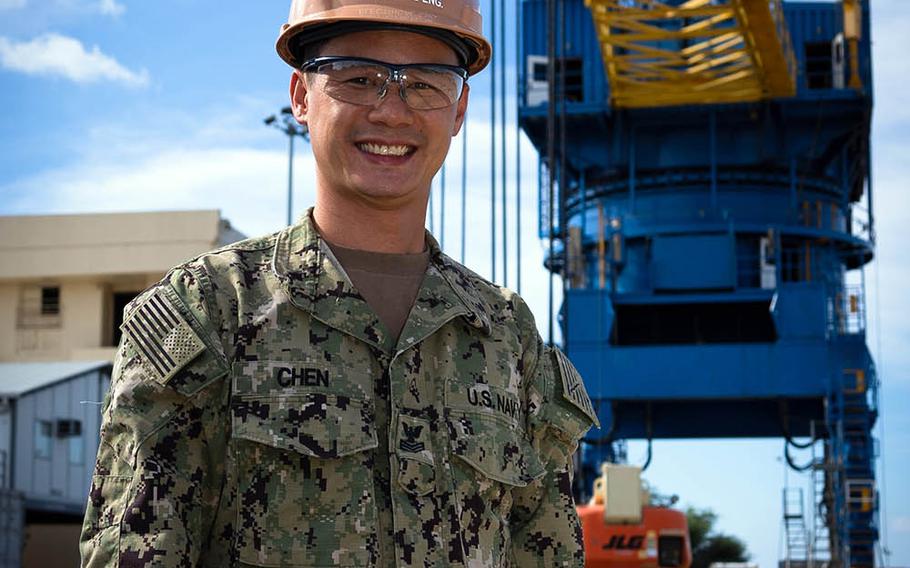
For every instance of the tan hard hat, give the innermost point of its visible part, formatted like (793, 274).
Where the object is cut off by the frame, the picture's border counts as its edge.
(449, 20)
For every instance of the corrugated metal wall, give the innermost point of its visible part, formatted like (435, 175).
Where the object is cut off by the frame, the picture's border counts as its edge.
(60, 481)
(6, 426)
(12, 521)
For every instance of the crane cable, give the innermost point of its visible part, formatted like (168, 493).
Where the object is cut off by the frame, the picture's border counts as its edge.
(442, 207)
(789, 442)
(649, 432)
(791, 463)
(883, 513)
(464, 181)
(563, 216)
(783, 424)
(493, 68)
(502, 136)
(551, 154)
(430, 209)
(518, 93)
(883, 499)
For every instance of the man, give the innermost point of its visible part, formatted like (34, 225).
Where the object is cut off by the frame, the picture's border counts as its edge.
(342, 393)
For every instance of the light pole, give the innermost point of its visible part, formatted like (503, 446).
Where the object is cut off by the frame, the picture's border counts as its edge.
(285, 122)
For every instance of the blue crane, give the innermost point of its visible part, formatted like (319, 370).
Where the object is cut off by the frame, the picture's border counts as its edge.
(705, 186)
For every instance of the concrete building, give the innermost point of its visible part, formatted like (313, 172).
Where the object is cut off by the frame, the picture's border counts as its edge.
(65, 279)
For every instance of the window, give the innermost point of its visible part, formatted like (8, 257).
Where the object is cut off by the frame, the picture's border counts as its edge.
(693, 324)
(39, 307)
(50, 300)
(819, 65)
(44, 435)
(76, 450)
(71, 429)
(670, 551)
(574, 78)
(537, 79)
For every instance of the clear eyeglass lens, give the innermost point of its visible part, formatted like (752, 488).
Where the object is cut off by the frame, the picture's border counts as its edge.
(429, 88)
(425, 88)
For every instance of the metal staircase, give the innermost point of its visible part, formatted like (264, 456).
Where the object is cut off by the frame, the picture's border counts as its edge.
(841, 529)
(821, 496)
(797, 535)
(852, 413)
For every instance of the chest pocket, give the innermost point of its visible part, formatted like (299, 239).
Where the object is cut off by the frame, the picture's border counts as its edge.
(305, 487)
(486, 426)
(491, 458)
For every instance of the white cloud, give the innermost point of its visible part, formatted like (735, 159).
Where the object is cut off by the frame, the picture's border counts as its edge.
(50, 10)
(12, 4)
(56, 55)
(211, 160)
(111, 7)
(248, 184)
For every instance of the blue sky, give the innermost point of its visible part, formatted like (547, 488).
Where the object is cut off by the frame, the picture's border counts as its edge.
(120, 105)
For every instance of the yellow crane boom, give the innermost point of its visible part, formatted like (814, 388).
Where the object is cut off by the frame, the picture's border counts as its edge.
(697, 52)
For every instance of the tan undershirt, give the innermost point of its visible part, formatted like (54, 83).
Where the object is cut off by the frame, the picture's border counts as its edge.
(388, 282)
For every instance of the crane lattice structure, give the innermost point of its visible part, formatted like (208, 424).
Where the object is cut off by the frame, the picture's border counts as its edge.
(697, 52)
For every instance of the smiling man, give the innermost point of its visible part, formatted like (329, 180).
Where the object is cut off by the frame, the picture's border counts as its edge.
(342, 393)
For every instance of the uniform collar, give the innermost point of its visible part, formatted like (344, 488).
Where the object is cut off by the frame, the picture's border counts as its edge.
(316, 283)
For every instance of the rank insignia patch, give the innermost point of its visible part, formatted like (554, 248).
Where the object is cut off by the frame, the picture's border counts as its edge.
(408, 442)
(163, 338)
(573, 388)
(414, 439)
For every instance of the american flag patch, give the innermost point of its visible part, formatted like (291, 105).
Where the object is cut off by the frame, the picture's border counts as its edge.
(163, 338)
(573, 388)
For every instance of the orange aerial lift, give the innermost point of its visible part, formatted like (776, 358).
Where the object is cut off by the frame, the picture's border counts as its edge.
(623, 528)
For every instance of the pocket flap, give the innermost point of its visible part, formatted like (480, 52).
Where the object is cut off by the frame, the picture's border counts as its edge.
(494, 448)
(315, 424)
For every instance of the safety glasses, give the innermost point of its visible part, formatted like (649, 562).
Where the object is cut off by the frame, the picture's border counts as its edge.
(360, 81)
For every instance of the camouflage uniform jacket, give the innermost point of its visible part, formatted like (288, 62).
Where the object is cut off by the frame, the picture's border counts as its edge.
(241, 424)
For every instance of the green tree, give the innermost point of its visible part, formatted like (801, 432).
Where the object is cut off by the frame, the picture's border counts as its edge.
(709, 546)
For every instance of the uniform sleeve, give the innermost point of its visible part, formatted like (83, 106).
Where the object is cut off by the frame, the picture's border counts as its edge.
(545, 527)
(159, 471)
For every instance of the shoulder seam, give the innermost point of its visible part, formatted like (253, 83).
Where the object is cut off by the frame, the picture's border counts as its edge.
(191, 262)
(267, 242)
(264, 242)
(208, 290)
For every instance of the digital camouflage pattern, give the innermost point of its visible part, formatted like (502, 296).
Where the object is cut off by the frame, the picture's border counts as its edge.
(272, 421)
